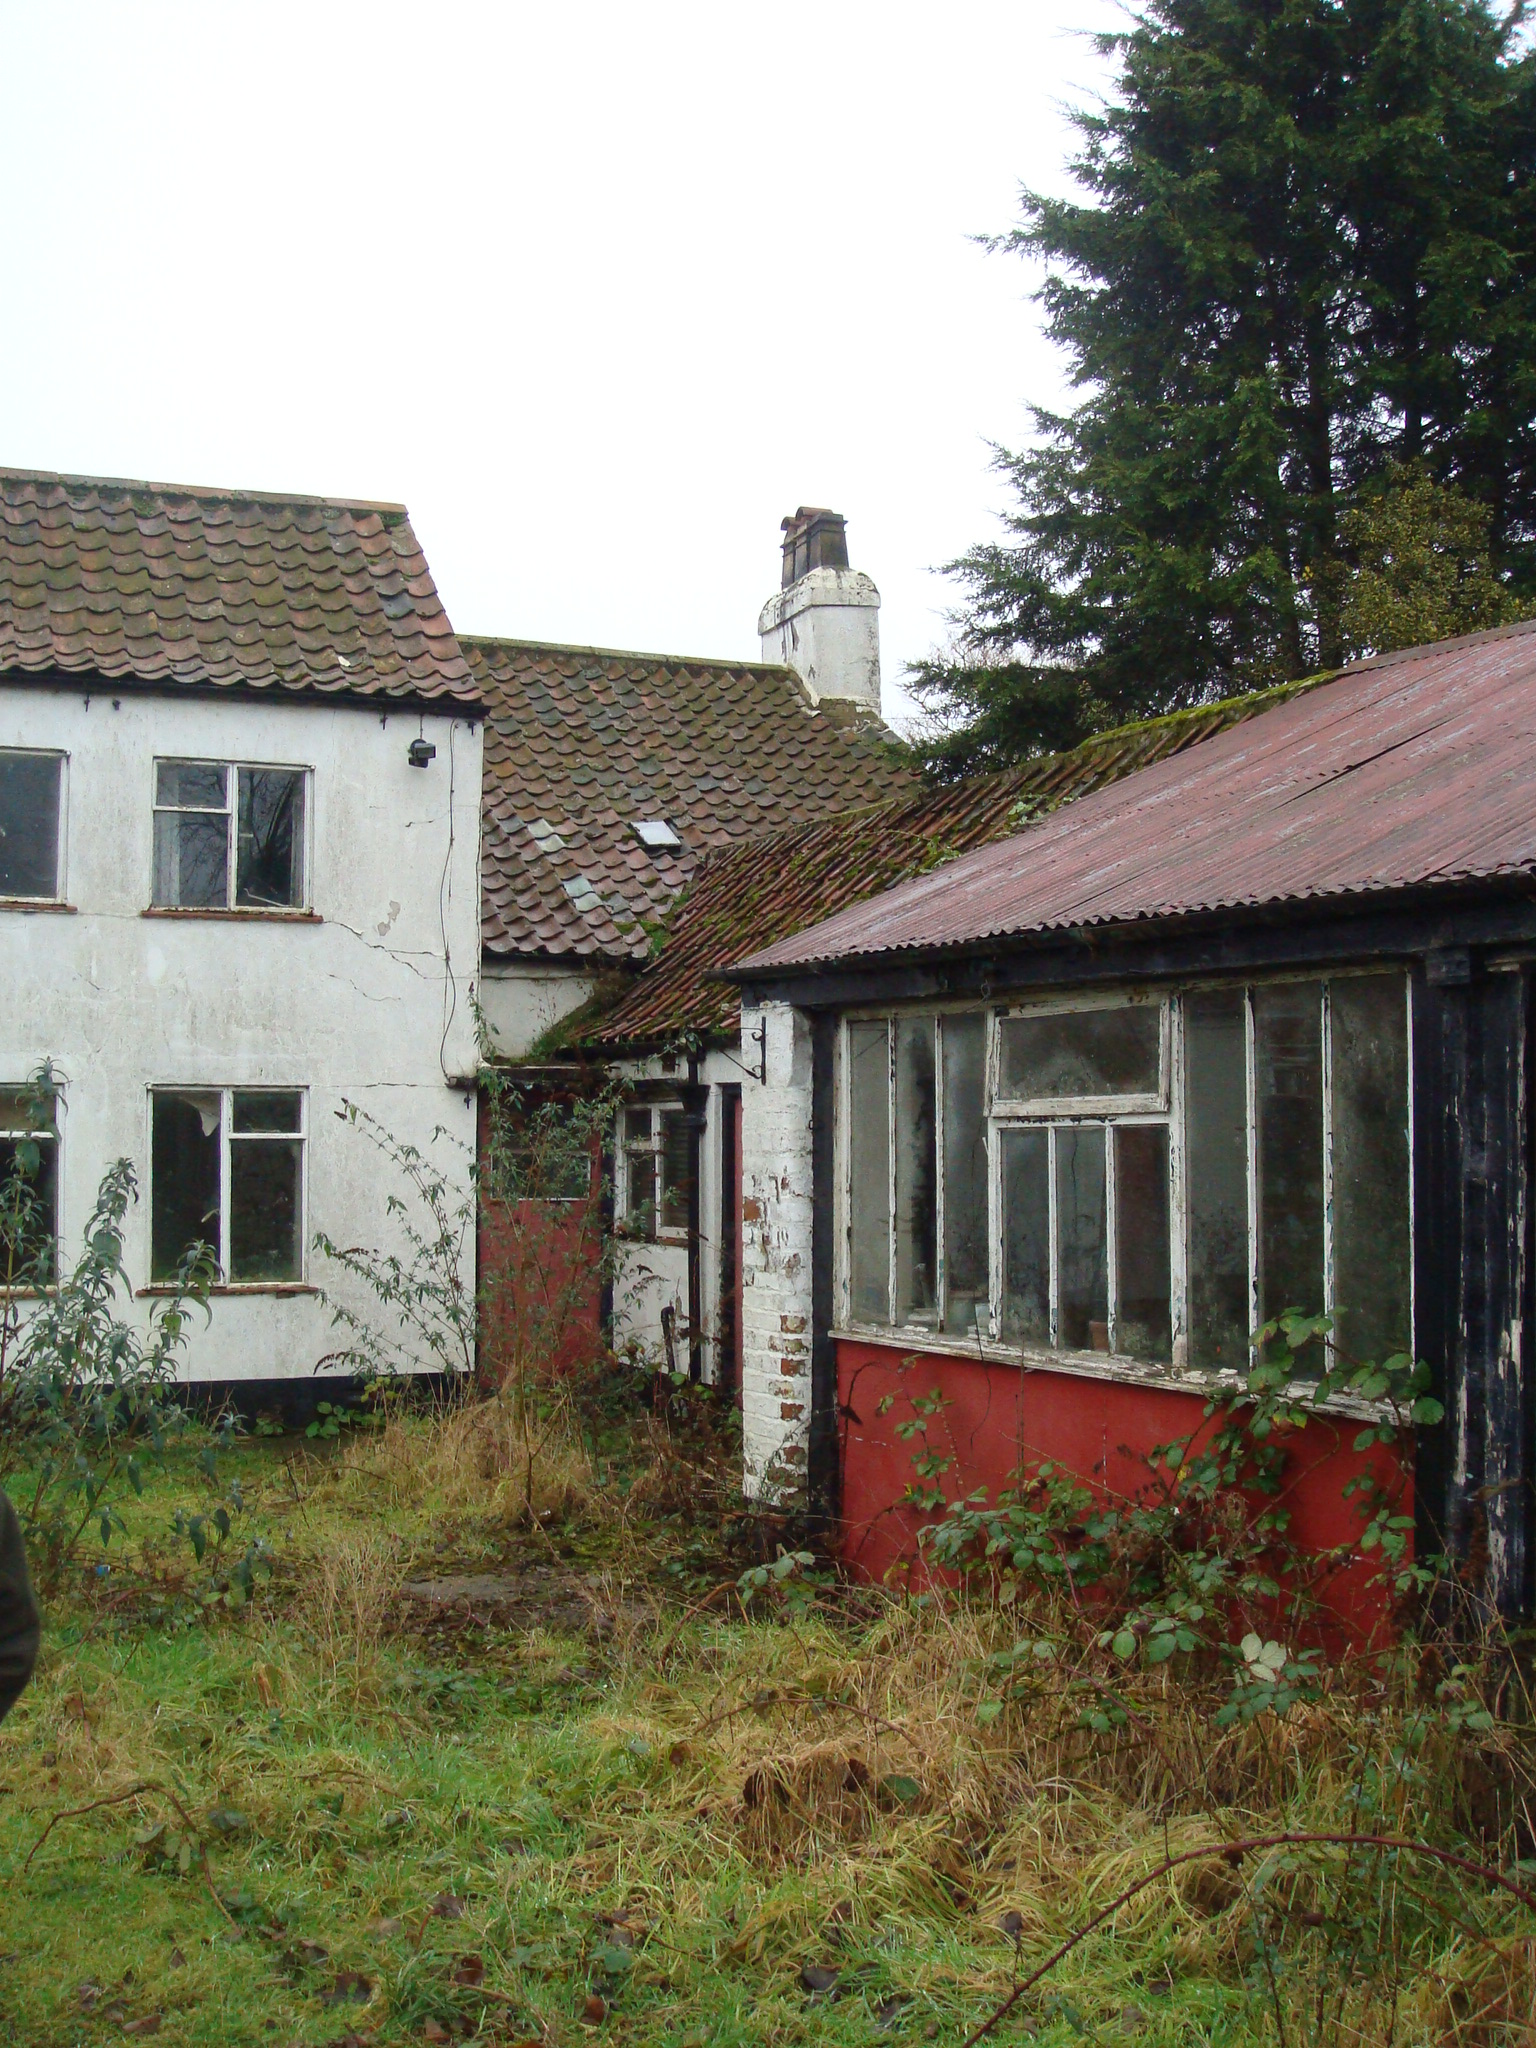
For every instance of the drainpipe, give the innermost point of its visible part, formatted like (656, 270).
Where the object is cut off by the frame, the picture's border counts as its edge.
(823, 1477)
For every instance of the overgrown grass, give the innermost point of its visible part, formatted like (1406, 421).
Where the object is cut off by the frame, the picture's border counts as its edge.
(595, 1807)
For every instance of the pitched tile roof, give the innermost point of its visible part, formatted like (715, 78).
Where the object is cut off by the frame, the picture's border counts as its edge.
(774, 887)
(1412, 771)
(239, 590)
(583, 744)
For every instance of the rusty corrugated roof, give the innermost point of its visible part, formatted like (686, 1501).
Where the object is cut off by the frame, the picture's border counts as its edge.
(771, 887)
(1411, 771)
(171, 584)
(583, 743)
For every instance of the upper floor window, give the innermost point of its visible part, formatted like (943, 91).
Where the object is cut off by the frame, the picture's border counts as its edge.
(30, 809)
(1151, 1177)
(228, 836)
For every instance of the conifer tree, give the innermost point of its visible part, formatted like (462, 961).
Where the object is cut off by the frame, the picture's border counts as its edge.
(1304, 251)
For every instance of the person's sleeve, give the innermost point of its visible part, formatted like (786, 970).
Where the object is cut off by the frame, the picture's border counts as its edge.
(20, 1624)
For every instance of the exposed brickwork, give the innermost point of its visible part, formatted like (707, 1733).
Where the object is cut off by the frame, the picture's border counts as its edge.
(776, 1260)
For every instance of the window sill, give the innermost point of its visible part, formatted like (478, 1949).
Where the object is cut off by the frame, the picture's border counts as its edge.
(162, 1288)
(244, 916)
(1087, 1365)
(48, 905)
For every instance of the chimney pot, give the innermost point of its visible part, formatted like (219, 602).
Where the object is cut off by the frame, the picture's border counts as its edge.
(814, 538)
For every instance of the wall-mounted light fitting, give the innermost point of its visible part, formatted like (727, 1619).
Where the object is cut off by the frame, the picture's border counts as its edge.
(420, 752)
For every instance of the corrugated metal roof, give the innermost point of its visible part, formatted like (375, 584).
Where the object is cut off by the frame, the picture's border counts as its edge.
(1414, 770)
(770, 887)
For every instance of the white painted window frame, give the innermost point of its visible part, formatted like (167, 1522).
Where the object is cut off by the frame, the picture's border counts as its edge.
(61, 842)
(1168, 1109)
(652, 1148)
(227, 1135)
(234, 769)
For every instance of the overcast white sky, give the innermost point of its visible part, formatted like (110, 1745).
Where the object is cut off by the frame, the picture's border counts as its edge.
(600, 291)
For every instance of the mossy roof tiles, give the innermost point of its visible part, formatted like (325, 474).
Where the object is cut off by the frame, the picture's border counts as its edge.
(582, 744)
(770, 888)
(168, 585)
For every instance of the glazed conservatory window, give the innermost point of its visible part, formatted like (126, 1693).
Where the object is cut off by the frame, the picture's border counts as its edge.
(1151, 1178)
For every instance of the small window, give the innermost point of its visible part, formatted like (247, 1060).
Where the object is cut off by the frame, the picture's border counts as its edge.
(227, 1170)
(1082, 1055)
(656, 835)
(228, 837)
(655, 1171)
(29, 1187)
(29, 825)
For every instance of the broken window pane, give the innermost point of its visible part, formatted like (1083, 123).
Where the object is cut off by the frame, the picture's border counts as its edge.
(184, 1178)
(676, 1169)
(29, 1188)
(1288, 1083)
(1143, 1311)
(965, 1171)
(1067, 1053)
(29, 824)
(1371, 1232)
(1026, 1235)
(1216, 1172)
(191, 836)
(270, 862)
(1081, 1249)
(869, 1149)
(917, 1214)
(264, 1209)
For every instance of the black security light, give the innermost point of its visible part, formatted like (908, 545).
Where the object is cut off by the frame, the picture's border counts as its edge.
(420, 752)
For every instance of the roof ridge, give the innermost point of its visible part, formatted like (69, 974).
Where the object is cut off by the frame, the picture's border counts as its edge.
(1425, 648)
(777, 668)
(213, 493)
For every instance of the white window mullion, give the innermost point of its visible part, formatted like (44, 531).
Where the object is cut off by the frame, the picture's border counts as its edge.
(1327, 1053)
(1111, 1235)
(1255, 1277)
(226, 1182)
(1053, 1234)
(233, 840)
(1178, 1192)
(940, 1263)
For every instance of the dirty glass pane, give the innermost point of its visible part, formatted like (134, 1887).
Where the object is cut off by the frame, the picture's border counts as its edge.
(1082, 1271)
(1371, 1241)
(269, 867)
(1026, 1235)
(676, 1169)
(917, 1213)
(637, 1166)
(965, 1171)
(1288, 1083)
(29, 824)
(869, 1161)
(264, 1221)
(1082, 1053)
(184, 1178)
(191, 860)
(1141, 1241)
(29, 1190)
(265, 1110)
(1216, 1138)
(191, 785)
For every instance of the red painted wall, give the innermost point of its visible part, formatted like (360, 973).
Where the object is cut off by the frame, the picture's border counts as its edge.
(1001, 1418)
(540, 1281)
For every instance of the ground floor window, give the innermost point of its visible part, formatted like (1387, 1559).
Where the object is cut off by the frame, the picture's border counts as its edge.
(29, 1186)
(1150, 1176)
(227, 1170)
(654, 1171)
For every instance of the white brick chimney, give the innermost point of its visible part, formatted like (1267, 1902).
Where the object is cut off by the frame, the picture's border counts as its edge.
(824, 623)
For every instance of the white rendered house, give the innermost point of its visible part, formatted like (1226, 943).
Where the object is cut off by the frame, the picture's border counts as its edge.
(240, 757)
